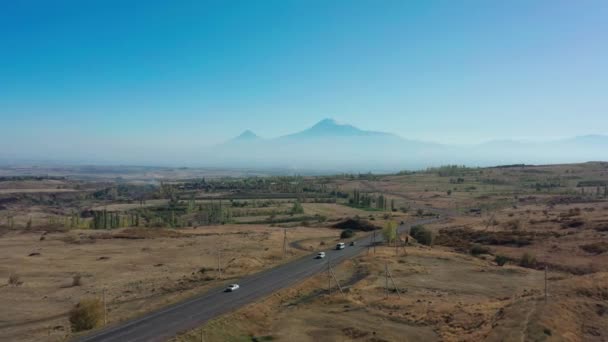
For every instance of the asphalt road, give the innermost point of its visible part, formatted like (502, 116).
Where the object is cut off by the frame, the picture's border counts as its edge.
(168, 322)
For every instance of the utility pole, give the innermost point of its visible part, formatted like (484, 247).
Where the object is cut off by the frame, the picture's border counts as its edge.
(393, 281)
(397, 244)
(328, 277)
(284, 242)
(546, 283)
(374, 242)
(105, 308)
(202, 338)
(386, 279)
(336, 279)
(219, 264)
(490, 221)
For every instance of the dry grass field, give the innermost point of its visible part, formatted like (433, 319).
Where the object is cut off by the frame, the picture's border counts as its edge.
(141, 269)
(529, 218)
(444, 296)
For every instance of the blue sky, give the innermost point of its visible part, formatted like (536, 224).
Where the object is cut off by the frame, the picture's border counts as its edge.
(97, 76)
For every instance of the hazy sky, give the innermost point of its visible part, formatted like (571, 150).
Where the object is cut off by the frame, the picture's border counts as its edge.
(112, 75)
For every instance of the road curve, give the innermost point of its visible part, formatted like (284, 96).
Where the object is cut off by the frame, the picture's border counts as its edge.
(167, 322)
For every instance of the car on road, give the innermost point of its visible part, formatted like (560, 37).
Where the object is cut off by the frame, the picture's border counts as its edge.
(320, 255)
(352, 243)
(340, 245)
(232, 287)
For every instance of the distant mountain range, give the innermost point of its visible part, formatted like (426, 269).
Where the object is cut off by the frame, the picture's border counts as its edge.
(332, 146)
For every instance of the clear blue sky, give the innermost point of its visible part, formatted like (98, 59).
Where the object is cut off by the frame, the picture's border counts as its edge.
(170, 74)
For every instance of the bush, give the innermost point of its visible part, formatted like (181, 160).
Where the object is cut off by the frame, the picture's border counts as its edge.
(14, 280)
(479, 249)
(422, 235)
(77, 280)
(347, 234)
(87, 314)
(514, 224)
(297, 208)
(576, 223)
(596, 247)
(527, 260)
(501, 260)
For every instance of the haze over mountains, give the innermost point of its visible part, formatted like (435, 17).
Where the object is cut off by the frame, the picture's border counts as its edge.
(329, 145)
(326, 147)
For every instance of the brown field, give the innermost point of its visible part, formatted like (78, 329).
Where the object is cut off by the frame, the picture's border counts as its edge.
(140, 270)
(552, 217)
(444, 296)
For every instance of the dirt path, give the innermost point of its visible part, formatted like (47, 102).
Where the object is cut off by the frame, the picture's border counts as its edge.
(526, 322)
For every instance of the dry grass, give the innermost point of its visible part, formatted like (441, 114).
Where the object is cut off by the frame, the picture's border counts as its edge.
(86, 315)
(445, 296)
(141, 270)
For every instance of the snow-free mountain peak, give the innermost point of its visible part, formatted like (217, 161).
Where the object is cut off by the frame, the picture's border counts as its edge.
(331, 128)
(247, 135)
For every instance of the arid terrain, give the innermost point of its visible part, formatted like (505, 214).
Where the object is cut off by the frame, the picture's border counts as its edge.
(478, 274)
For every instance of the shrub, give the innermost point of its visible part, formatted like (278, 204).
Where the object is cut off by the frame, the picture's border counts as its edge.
(14, 280)
(346, 234)
(422, 235)
(527, 260)
(501, 260)
(77, 280)
(596, 247)
(576, 223)
(297, 208)
(87, 314)
(513, 224)
(479, 249)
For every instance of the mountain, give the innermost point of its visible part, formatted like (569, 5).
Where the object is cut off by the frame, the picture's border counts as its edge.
(246, 136)
(327, 145)
(335, 147)
(596, 140)
(330, 128)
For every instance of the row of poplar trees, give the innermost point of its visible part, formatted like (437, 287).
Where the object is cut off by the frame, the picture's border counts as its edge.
(367, 201)
(109, 220)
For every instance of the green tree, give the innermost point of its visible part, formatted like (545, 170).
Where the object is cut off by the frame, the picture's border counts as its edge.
(390, 231)
(380, 203)
(297, 208)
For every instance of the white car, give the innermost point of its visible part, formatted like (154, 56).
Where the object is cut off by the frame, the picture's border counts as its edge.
(320, 255)
(340, 245)
(232, 287)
